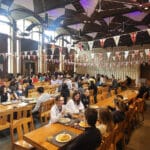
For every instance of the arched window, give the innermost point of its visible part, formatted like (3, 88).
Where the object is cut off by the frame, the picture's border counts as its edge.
(4, 26)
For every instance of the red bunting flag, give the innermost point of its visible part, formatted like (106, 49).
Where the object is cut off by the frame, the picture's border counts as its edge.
(102, 42)
(133, 36)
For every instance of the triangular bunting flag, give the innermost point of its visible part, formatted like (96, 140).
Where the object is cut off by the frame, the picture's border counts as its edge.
(136, 52)
(92, 55)
(126, 53)
(102, 42)
(133, 36)
(147, 52)
(141, 54)
(116, 39)
(108, 54)
(90, 44)
(148, 31)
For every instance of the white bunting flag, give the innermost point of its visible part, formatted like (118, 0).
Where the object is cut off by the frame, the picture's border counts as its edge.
(92, 55)
(114, 58)
(148, 31)
(90, 43)
(147, 51)
(108, 54)
(116, 39)
(126, 53)
(141, 54)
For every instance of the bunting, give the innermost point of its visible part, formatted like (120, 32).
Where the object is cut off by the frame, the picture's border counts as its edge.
(90, 43)
(133, 37)
(148, 31)
(108, 54)
(102, 42)
(126, 53)
(116, 39)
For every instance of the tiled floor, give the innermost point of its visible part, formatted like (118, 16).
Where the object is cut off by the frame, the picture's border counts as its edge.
(140, 139)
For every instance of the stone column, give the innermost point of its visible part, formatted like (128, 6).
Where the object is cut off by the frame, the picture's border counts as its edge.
(18, 56)
(11, 50)
(40, 51)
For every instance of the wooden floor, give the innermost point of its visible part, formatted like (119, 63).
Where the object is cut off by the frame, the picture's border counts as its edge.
(140, 139)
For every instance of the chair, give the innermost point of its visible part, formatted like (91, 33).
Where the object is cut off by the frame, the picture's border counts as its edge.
(92, 100)
(112, 92)
(98, 97)
(44, 111)
(119, 90)
(21, 126)
(22, 112)
(106, 142)
(6, 118)
(140, 110)
(119, 135)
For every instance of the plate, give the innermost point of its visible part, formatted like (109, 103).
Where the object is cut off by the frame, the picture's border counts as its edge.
(64, 120)
(83, 124)
(94, 106)
(63, 137)
(22, 104)
(6, 103)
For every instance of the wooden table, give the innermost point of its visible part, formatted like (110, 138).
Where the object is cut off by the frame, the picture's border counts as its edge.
(128, 94)
(12, 106)
(38, 137)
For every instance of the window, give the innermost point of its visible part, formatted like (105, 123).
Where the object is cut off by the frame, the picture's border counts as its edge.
(4, 27)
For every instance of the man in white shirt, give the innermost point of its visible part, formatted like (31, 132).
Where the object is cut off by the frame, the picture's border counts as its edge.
(42, 98)
(58, 109)
(74, 105)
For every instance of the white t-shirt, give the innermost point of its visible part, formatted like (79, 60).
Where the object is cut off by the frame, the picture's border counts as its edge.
(55, 113)
(73, 108)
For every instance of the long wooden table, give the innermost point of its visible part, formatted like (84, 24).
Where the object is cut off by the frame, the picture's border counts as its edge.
(128, 94)
(38, 137)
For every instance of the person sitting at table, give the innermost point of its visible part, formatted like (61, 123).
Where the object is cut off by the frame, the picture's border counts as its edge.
(114, 85)
(91, 138)
(118, 113)
(4, 94)
(85, 98)
(28, 87)
(58, 109)
(128, 81)
(42, 98)
(74, 105)
(106, 121)
(19, 92)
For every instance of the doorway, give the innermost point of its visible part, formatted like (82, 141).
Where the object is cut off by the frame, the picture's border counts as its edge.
(29, 68)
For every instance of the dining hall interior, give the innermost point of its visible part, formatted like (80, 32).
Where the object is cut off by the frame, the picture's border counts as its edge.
(74, 74)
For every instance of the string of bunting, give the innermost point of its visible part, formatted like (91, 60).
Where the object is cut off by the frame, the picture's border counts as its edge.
(133, 37)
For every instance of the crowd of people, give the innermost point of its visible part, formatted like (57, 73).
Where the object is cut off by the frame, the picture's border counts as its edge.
(67, 104)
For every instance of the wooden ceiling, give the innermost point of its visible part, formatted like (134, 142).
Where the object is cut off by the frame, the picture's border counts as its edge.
(89, 19)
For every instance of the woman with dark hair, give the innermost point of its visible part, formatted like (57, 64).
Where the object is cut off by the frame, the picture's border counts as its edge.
(90, 139)
(74, 105)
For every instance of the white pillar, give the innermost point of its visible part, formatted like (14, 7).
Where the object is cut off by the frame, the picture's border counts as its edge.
(10, 56)
(60, 60)
(18, 53)
(40, 48)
